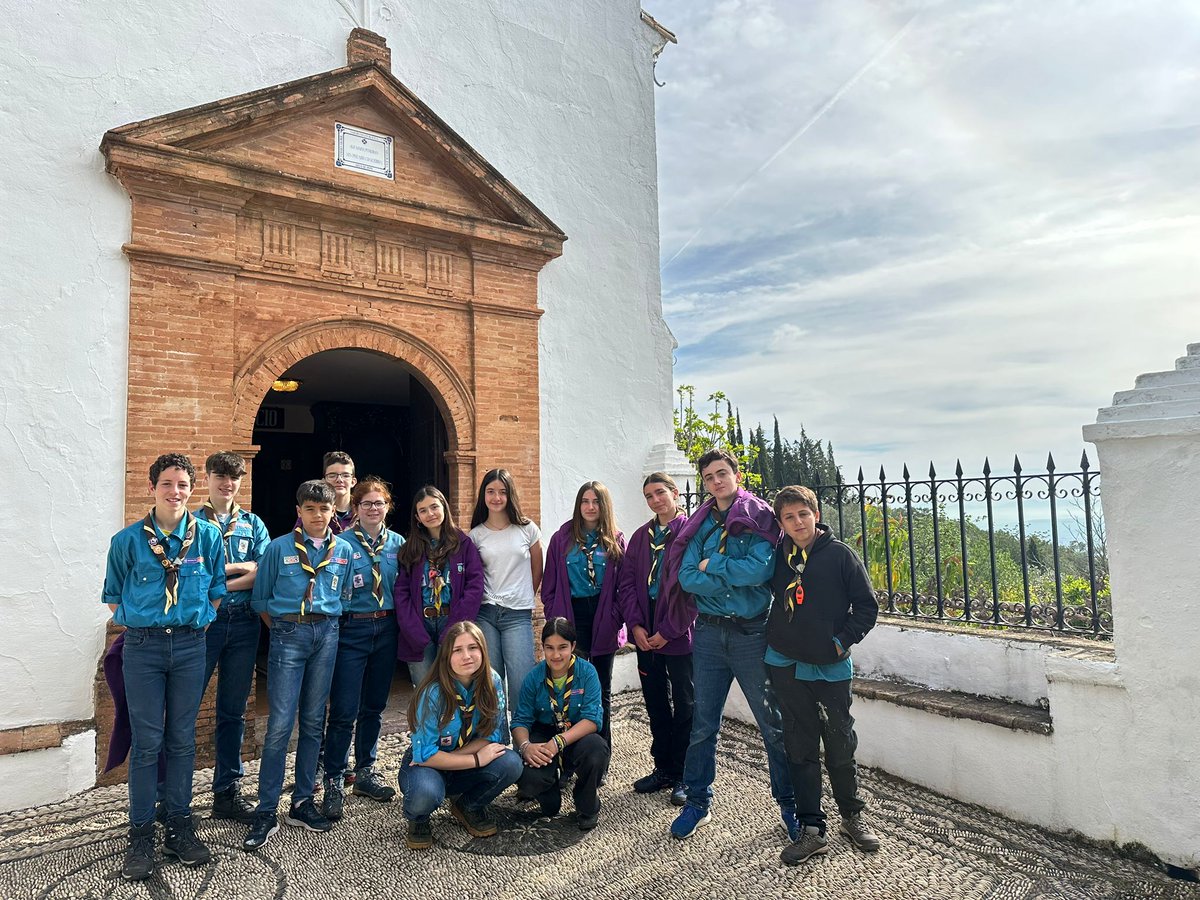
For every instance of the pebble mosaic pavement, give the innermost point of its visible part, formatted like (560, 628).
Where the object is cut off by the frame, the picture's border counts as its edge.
(933, 847)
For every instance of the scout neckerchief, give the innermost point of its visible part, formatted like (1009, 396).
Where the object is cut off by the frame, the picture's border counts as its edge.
(658, 543)
(342, 521)
(467, 713)
(437, 583)
(561, 716)
(589, 557)
(795, 590)
(720, 517)
(375, 551)
(210, 513)
(298, 537)
(171, 566)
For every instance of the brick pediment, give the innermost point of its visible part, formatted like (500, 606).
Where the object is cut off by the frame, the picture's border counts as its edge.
(281, 141)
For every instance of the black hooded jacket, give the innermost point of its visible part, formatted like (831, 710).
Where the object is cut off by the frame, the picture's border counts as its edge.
(839, 602)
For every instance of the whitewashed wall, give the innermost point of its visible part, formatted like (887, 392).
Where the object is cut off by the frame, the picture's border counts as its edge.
(558, 96)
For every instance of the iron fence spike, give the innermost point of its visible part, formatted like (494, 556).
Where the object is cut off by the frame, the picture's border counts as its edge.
(1049, 462)
(958, 468)
(987, 466)
(1016, 465)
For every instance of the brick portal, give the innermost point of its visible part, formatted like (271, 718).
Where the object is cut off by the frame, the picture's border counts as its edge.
(250, 250)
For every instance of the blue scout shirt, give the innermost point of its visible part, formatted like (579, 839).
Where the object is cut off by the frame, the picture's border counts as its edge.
(842, 670)
(280, 584)
(356, 594)
(656, 585)
(134, 579)
(735, 583)
(577, 574)
(429, 738)
(246, 542)
(534, 703)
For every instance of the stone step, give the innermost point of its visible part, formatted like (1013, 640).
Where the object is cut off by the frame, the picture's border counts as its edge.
(1168, 409)
(955, 705)
(1160, 379)
(1191, 361)
(1158, 394)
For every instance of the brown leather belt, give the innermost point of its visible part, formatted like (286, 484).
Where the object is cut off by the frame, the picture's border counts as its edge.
(430, 612)
(303, 617)
(377, 614)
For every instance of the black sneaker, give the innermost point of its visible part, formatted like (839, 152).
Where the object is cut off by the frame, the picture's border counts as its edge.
(139, 854)
(812, 842)
(369, 783)
(306, 815)
(859, 833)
(587, 823)
(420, 835)
(181, 842)
(335, 799)
(230, 804)
(655, 781)
(678, 794)
(479, 822)
(264, 827)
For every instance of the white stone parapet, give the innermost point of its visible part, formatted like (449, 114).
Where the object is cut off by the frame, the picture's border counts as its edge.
(1161, 403)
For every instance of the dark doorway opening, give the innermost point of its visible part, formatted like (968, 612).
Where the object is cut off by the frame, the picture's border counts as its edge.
(368, 404)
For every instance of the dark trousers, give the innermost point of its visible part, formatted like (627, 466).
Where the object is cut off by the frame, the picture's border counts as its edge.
(816, 711)
(362, 680)
(231, 646)
(669, 694)
(587, 758)
(584, 609)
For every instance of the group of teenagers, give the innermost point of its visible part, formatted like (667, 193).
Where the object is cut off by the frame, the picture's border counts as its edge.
(738, 590)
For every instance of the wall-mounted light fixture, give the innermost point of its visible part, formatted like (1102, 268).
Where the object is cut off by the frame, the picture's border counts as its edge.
(286, 386)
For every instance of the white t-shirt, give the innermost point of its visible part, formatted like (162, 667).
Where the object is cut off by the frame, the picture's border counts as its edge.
(507, 571)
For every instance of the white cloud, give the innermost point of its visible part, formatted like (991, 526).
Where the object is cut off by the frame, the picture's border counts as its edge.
(992, 231)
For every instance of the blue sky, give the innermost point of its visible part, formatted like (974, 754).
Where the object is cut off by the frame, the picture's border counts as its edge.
(929, 230)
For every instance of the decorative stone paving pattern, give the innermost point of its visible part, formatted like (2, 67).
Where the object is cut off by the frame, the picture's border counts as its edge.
(933, 847)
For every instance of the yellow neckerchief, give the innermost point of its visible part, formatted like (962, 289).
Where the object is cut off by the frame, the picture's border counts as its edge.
(375, 551)
(467, 713)
(171, 566)
(656, 549)
(298, 538)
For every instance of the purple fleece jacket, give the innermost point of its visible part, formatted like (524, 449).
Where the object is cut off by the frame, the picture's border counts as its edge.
(466, 593)
(633, 594)
(121, 740)
(556, 591)
(747, 513)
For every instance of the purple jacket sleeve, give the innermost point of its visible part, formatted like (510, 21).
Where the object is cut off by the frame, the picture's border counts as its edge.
(467, 589)
(556, 586)
(606, 627)
(411, 639)
(633, 569)
(121, 738)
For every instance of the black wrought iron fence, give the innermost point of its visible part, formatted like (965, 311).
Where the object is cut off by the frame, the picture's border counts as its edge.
(1024, 550)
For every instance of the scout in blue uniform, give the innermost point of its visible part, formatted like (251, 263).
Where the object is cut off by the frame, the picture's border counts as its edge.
(366, 654)
(298, 593)
(337, 469)
(455, 717)
(164, 579)
(725, 555)
(232, 639)
(556, 726)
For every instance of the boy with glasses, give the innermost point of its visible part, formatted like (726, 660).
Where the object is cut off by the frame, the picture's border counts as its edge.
(338, 470)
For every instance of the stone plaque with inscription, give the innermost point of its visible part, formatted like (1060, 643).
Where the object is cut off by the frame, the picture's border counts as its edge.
(359, 150)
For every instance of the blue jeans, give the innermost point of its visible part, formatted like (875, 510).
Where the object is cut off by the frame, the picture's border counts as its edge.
(232, 647)
(425, 788)
(721, 653)
(299, 671)
(362, 680)
(509, 636)
(418, 670)
(164, 683)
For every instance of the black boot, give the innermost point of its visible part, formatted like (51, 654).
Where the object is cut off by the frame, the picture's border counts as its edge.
(230, 804)
(139, 855)
(182, 843)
